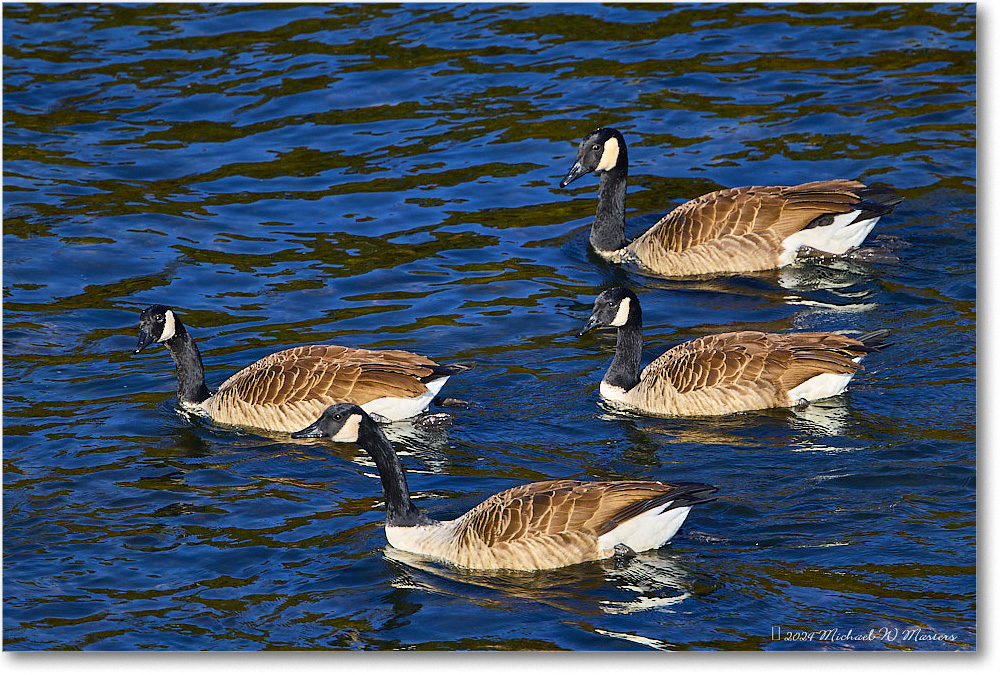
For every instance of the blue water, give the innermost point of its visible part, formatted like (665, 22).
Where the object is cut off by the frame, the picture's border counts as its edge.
(386, 176)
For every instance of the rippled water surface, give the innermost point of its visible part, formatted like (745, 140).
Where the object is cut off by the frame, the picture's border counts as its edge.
(386, 176)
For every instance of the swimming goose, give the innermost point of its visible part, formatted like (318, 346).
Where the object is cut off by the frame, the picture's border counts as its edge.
(743, 229)
(723, 373)
(532, 527)
(291, 388)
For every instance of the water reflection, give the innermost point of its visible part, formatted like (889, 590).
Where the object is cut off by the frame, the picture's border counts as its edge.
(652, 580)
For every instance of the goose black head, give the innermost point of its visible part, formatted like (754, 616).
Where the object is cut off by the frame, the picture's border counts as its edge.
(156, 324)
(614, 307)
(340, 422)
(601, 150)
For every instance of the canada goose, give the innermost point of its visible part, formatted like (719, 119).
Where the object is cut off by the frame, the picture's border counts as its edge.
(723, 373)
(289, 389)
(742, 229)
(532, 527)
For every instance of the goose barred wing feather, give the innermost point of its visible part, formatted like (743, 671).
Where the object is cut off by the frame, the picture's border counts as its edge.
(817, 353)
(288, 390)
(745, 370)
(740, 229)
(340, 373)
(740, 211)
(532, 510)
(711, 361)
(559, 522)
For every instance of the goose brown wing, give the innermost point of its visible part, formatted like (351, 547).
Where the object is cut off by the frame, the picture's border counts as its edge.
(817, 353)
(547, 510)
(770, 211)
(715, 361)
(771, 361)
(329, 372)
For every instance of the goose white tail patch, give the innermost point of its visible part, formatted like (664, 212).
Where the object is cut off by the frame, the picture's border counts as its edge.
(398, 408)
(169, 326)
(648, 530)
(820, 386)
(837, 238)
(609, 158)
(621, 317)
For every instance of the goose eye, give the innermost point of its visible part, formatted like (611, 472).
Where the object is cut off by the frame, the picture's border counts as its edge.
(596, 147)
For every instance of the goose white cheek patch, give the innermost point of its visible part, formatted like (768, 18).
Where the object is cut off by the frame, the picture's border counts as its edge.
(609, 158)
(168, 326)
(349, 432)
(623, 309)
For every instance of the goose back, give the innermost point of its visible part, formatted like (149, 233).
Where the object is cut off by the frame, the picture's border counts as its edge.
(746, 370)
(556, 523)
(744, 229)
(288, 390)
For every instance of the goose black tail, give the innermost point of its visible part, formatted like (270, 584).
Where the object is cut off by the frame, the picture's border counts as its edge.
(876, 340)
(443, 369)
(692, 494)
(877, 201)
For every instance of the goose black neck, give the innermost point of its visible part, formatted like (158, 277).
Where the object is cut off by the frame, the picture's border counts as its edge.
(624, 369)
(400, 509)
(190, 371)
(608, 231)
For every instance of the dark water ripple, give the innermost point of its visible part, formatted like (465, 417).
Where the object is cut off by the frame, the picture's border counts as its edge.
(385, 176)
